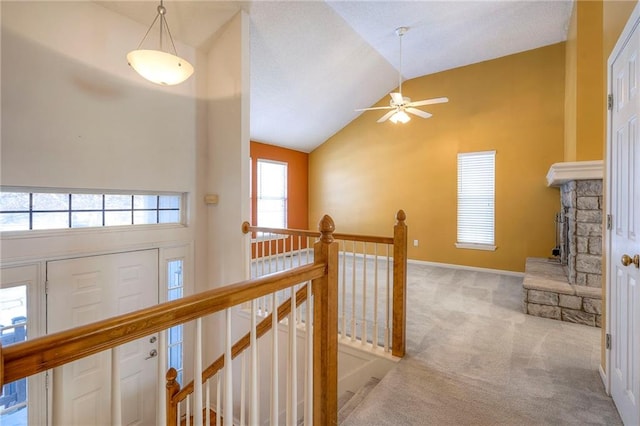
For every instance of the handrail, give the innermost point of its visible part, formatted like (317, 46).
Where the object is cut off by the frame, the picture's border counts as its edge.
(36, 355)
(243, 343)
(246, 228)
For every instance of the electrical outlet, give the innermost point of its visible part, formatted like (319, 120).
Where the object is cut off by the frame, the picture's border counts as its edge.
(415, 243)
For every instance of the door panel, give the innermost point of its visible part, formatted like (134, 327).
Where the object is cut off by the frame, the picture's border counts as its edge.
(624, 205)
(89, 289)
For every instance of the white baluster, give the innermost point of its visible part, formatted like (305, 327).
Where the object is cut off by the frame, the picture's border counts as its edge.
(291, 252)
(207, 415)
(253, 403)
(116, 396)
(197, 375)
(188, 407)
(344, 288)
(242, 387)
(218, 396)
(364, 294)
(228, 372)
(161, 418)
(299, 315)
(387, 319)
(308, 365)
(374, 338)
(353, 293)
(178, 412)
(292, 371)
(274, 362)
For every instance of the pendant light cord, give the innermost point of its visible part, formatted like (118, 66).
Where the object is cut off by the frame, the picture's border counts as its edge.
(400, 34)
(163, 22)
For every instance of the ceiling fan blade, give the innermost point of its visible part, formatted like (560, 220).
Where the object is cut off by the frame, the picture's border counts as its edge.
(386, 116)
(374, 108)
(429, 102)
(418, 112)
(396, 97)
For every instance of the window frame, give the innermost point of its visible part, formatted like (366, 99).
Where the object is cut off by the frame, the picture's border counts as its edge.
(474, 173)
(180, 209)
(285, 198)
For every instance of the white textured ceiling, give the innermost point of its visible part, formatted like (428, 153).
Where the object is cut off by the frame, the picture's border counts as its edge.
(314, 62)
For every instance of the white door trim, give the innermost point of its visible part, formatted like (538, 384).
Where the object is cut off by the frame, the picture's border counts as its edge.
(611, 243)
(632, 23)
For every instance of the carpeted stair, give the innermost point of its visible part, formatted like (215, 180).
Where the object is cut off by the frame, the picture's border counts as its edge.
(349, 400)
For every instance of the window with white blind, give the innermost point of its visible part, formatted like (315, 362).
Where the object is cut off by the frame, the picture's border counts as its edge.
(272, 194)
(476, 200)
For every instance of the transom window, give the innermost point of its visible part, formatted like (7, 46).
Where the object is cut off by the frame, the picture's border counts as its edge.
(272, 194)
(476, 200)
(23, 211)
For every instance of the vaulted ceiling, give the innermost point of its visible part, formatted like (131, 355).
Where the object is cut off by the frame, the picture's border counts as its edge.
(314, 62)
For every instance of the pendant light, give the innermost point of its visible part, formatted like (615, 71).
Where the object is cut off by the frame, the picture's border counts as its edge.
(159, 66)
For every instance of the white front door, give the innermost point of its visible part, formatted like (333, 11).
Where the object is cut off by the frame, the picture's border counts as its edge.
(89, 289)
(624, 239)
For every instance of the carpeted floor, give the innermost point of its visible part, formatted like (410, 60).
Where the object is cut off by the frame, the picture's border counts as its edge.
(475, 359)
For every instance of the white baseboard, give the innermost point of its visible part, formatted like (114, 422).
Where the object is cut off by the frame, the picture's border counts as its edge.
(466, 268)
(603, 376)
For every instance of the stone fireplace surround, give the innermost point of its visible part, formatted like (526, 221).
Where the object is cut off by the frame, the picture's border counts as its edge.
(569, 288)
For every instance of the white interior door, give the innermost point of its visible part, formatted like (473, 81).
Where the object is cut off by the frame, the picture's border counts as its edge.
(89, 289)
(624, 207)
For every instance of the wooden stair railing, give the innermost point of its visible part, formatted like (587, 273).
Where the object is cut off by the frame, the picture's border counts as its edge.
(176, 394)
(399, 242)
(44, 353)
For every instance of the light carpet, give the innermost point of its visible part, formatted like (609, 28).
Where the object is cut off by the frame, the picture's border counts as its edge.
(473, 358)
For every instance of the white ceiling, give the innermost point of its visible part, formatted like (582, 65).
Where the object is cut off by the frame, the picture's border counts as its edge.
(314, 62)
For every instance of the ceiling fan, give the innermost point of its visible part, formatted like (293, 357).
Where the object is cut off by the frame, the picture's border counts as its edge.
(400, 105)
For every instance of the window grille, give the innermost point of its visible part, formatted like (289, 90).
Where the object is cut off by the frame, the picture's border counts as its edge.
(23, 211)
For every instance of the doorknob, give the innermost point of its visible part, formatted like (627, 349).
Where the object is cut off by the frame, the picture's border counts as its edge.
(628, 260)
(152, 354)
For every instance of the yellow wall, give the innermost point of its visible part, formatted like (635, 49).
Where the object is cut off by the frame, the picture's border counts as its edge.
(584, 123)
(515, 105)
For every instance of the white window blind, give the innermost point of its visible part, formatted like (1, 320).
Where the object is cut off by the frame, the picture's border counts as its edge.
(476, 200)
(272, 194)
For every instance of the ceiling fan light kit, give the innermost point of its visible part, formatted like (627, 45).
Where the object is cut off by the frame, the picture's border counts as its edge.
(399, 105)
(158, 66)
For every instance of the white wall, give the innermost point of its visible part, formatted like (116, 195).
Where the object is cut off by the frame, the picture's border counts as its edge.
(75, 115)
(227, 168)
(228, 159)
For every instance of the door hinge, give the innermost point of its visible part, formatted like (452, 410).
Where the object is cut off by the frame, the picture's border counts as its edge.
(46, 287)
(609, 222)
(46, 380)
(609, 101)
(608, 341)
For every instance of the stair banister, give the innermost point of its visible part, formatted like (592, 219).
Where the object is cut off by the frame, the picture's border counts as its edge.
(53, 350)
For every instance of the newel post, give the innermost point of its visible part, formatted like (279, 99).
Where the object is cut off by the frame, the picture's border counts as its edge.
(173, 388)
(399, 285)
(325, 328)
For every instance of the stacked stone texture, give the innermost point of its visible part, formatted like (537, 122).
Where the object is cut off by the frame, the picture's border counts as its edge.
(582, 210)
(546, 293)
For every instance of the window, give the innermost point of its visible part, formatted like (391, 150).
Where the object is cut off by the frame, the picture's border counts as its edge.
(23, 211)
(13, 329)
(476, 200)
(272, 194)
(175, 343)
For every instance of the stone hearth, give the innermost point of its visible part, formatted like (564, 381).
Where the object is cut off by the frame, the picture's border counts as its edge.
(548, 294)
(569, 288)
